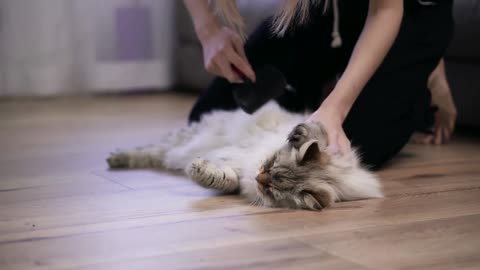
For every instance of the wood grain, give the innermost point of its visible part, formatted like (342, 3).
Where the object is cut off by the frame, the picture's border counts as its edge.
(61, 208)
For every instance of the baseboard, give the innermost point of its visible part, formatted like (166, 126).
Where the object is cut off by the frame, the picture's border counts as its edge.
(115, 76)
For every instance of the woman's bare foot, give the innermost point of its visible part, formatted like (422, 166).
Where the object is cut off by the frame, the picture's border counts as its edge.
(445, 116)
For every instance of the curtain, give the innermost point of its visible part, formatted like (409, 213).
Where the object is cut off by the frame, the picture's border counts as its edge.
(50, 47)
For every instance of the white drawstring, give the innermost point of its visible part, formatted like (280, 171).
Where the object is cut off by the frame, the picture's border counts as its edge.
(336, 38)
(426, 3)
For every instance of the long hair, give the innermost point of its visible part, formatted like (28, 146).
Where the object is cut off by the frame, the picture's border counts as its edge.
(292, 12)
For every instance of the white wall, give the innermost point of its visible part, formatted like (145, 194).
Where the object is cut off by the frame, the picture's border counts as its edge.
(67, 46)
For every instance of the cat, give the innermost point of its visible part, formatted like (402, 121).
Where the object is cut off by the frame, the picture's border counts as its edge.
(268, 157)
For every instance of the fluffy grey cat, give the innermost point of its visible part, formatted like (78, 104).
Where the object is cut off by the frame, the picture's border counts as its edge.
(267, 157)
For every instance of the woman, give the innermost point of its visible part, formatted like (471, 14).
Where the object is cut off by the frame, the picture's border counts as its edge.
(383, 53)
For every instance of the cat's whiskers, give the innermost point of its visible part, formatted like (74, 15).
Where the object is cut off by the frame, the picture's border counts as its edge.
(256, 201)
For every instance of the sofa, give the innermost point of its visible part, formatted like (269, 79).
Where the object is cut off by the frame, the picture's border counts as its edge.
(463, 62)
(462, 58)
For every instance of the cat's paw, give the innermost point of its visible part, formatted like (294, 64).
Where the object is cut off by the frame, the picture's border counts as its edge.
(299, 135)
(196, 170)
(208, 175)
(118, 159)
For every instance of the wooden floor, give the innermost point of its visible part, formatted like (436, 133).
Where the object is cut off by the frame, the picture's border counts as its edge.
(61, 208)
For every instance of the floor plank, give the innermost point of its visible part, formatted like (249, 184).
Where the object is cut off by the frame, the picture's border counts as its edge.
(276, 254)
(450, 243)
(61, 208)
(51, 186)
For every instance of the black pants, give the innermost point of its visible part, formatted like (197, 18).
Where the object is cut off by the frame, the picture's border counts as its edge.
(393, 104)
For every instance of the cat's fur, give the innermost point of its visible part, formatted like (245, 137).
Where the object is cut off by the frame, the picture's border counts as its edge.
(268, 157)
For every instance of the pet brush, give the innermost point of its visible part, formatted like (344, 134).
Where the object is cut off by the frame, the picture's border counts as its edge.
(270, 84)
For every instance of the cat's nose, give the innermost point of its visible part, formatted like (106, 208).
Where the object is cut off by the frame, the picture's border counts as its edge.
(263, 178)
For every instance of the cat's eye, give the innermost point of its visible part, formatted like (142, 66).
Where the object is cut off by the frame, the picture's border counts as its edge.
(276, 177)
(283, 171)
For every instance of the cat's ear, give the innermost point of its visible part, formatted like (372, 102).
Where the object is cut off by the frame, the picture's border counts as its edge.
(310, 151)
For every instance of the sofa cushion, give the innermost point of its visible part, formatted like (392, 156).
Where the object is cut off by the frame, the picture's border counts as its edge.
(466, 41)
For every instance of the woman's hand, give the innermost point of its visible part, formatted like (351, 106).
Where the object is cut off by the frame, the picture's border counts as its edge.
(446, 115)
(223, 49)
(332, 120)
(444, 121)
(223, 52)
(444, 118)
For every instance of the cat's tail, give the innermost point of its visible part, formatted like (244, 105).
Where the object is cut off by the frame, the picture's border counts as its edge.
(150, 156)
(141, 157)
(353, 181)
(361, 184)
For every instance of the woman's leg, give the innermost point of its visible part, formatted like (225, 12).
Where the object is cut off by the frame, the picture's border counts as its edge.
(396, 101)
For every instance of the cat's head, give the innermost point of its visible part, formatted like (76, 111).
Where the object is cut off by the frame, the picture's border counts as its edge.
(297, 176)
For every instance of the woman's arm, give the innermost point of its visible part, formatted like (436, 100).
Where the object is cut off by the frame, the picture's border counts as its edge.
(446, 115)
(380, 30)
(222, 47)
(203, 19)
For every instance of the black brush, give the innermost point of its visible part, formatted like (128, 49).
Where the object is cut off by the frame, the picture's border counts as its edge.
(270, 84)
